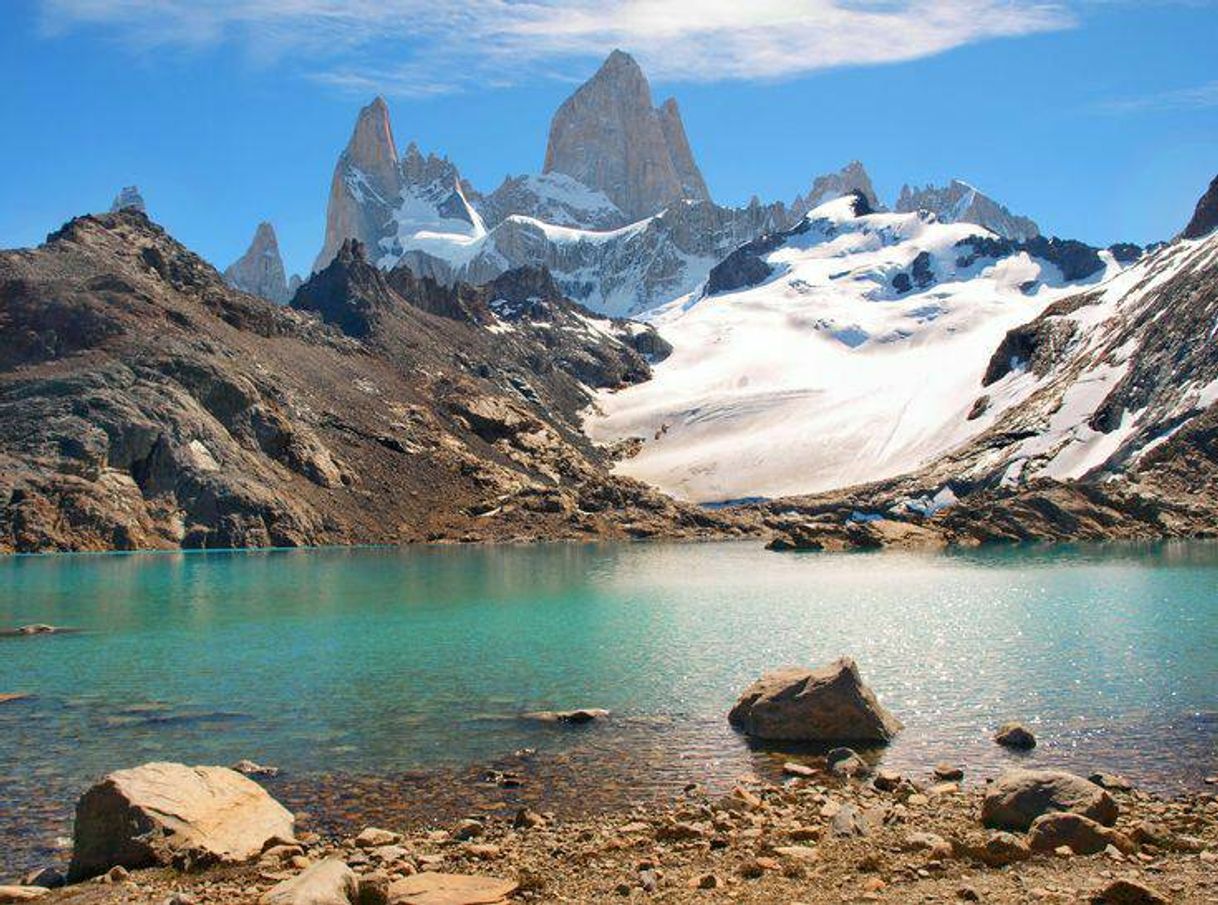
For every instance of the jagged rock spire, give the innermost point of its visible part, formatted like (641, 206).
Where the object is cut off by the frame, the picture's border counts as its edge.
(260, 270)
(608, 136)
(129, 199)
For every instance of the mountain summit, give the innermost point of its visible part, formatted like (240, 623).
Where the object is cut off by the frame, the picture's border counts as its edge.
(375, 194)
(609, 136)
(260, 270)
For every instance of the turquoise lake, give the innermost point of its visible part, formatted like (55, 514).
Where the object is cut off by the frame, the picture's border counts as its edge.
(377, 663)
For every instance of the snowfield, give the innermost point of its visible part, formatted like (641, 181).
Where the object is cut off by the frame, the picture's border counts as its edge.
(826, 375)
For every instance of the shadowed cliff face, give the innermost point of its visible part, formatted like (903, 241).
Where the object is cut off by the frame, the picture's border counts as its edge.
(1205, 218)
(144, 403)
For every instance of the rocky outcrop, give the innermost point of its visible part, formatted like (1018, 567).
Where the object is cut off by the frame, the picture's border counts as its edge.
(609, 137)
(1205, 217)
(959, 202)
(163, 813)
(375, 196)
(128, 199)
(144, 403)
(830, 704)
(851, 178)
(260, 270)
(1017, 798)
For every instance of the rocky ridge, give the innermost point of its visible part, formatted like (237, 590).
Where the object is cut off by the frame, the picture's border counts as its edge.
(148, 404)
(1102, 414)
(959, 202)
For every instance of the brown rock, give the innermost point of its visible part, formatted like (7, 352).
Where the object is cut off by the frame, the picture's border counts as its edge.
(1015, 735)
(22, 893)
(824, 705)
(1080, 834)
(433, 888)
(329, 882)
(375, 837)
(1020, 796)
(1128, 892)
(992, 849)
(161, 813)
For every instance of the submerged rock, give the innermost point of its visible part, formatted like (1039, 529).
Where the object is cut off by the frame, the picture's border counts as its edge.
(1020, 796)
(1015, 735)
(166, 813)
(583, 715)
(830, 704)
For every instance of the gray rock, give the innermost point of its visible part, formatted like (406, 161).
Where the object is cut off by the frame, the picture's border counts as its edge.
(609, 137)
(1128, 892)
(260, 270)
(830, 704)
(1020, 796)
(129, 199)
(848, 821)
(328, 882)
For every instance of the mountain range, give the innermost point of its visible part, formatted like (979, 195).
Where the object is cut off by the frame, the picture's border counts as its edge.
(619, 214)
(459, 365)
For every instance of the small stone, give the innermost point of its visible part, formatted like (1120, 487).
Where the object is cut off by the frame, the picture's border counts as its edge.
(117, 874)
(527, 818)
(968, 894)
(846, 762)
(948, 773)
(22, 893)
(46, 877)
(249, 768)
(887, 780)
(793, 769)
(1128, 892)
(848, 821)
(1015, 735)
(1111, 781)
(707, 881)
(483, 851)
(1077, 833)
(468, 829)
(375, 837)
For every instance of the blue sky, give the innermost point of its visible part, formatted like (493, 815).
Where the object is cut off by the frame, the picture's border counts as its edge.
(1099, 118)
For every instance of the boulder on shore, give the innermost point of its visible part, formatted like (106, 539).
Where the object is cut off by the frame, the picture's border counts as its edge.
(1080, 834)
(165, 813)
(830, 704)
(1020, 796)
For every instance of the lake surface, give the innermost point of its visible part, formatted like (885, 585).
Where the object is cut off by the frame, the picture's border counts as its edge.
(367, 666)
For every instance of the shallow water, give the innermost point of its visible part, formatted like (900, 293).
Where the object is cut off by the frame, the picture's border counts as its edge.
(374, 663)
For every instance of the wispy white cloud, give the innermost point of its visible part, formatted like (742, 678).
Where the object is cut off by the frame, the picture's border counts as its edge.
(1196, 97)
(426, 47)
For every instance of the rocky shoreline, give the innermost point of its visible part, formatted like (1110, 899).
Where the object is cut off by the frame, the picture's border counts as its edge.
(834, 827)
(818, 837)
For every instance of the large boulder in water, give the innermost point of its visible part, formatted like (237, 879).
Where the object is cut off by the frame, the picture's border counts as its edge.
(1020, 796)
(164, 813)
(830, 704)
